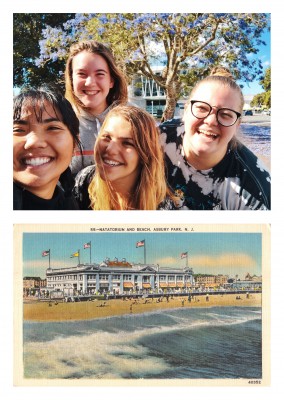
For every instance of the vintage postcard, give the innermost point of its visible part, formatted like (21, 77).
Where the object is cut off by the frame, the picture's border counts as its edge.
(142, 305)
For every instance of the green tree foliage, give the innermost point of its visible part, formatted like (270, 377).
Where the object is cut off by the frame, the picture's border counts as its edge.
(187, 45)
(27, 33)
(263, 100)
(266, 81)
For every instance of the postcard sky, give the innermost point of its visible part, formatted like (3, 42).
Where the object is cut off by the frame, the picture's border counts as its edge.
(216, 253)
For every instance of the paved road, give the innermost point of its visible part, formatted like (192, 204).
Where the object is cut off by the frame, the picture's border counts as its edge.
(257, 119)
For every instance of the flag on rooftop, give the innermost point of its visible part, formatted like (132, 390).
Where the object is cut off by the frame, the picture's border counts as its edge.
(87, 245)
(45, 253)
(183, 255)
(140, 244)
(75, 255)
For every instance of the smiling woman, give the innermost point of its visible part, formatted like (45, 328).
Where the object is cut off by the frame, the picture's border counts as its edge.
(206, 164)
(129, 172)
(45, 131)
(94, 85)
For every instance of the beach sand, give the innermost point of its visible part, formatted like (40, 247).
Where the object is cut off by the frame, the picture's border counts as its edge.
(42, 311)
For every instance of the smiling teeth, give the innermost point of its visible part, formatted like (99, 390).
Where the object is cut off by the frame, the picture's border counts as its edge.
(112, 163)
(91, 92)
(208, 133)
(37, 161)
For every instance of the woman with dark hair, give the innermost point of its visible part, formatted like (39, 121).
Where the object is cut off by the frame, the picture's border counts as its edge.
(45, 133)
(94, 85)
(206, 164)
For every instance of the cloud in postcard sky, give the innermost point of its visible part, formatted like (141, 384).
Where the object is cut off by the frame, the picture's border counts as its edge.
(167, 261)
(39, 267)
(226, 263)
(228, 253)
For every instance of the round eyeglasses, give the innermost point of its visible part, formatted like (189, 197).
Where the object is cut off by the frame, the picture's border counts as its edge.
(225, 116)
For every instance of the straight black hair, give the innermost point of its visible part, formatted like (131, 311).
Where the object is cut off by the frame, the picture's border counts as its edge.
(35, 99)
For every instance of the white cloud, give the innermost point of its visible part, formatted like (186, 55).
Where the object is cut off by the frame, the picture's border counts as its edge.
(167, 262)
(39, 267)
(226, 263)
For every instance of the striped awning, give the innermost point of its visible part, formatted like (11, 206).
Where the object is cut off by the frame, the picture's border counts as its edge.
(163, 285)
(146, 285)
(171, 284)
(127, 284)
(180, 284)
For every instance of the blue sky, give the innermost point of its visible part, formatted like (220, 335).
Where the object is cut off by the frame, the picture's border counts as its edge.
(264, 55)
(224, 253)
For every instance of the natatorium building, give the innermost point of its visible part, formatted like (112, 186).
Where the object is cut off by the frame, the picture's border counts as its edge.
(118, 277)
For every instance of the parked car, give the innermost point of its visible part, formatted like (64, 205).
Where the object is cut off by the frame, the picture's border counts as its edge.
(176, 121)
(248, 112)
(266, 112)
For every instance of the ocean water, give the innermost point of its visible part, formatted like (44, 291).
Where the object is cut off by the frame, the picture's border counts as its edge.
(200, 343)
(257, 138)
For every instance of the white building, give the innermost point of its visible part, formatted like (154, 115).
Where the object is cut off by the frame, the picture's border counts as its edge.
(147, 94)
(118, 277)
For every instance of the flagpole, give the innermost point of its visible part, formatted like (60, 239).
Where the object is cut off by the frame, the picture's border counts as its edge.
(49, 259)
(144, 252)
(79, 255)
(186, 264)
(90, 252)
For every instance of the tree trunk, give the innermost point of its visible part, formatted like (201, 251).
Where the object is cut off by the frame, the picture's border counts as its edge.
(171, 100)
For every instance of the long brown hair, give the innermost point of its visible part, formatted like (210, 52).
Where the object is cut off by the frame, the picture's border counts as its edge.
(151, 188)
(118, 93)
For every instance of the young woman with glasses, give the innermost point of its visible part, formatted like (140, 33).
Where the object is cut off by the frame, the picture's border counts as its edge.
(206, 164)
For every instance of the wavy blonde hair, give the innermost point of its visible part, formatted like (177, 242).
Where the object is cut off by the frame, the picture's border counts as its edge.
(151, 187)
(117, 94)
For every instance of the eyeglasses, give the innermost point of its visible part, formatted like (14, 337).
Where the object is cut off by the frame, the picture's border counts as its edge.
(225, 116)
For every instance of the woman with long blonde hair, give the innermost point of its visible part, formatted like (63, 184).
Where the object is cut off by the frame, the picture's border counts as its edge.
(129, 168)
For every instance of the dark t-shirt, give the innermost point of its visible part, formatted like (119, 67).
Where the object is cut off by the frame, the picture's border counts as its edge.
(25, 200)
(238, 182)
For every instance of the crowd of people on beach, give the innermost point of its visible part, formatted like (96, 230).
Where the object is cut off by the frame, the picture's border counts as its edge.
(93, 150)
(130, 305)
(192, 295)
